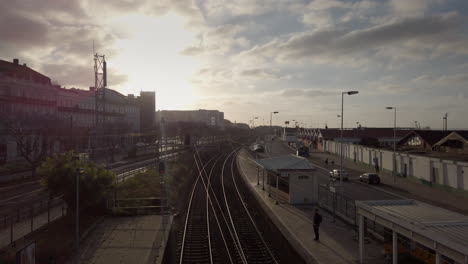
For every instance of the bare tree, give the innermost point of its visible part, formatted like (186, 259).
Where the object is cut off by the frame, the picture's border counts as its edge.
(34, 145)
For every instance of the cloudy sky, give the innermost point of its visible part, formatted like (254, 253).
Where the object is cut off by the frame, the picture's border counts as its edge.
(251, 57)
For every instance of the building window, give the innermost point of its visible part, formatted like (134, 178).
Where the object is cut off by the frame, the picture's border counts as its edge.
(303, 177)
(414, 141)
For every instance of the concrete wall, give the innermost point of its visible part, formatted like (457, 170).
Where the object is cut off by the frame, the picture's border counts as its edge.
(446, 173)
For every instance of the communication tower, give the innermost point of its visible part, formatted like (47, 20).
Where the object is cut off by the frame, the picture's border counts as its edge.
(100, 85)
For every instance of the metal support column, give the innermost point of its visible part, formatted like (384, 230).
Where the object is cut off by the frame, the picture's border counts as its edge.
(395, 247)
(269, 185)
(361, 239)
(258, 175)
(263, 179)
(277, 188)
(437, 259)
(77, 213)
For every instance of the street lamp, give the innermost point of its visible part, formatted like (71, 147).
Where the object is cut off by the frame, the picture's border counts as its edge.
(444, 127)
(253, 121)
(271, 117)
(394, 143)
(341, 141)
(79, 171)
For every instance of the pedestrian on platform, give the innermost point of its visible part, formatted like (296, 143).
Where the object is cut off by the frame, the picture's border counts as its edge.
(317, 222)
(326, 161)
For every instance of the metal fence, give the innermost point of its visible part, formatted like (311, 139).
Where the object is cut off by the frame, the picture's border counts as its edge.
(345, 208)
(25, 220)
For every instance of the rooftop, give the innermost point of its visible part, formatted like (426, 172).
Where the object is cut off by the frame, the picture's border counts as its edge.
(440, 226)
(286, 163)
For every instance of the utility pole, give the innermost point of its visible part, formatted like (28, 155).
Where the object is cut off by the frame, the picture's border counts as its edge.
(444, 126)
(100, 85)
(341, 139)
(394, 143)
(78, 173)
(163, 178)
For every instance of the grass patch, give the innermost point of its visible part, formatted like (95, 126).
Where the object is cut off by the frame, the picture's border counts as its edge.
(144, 184)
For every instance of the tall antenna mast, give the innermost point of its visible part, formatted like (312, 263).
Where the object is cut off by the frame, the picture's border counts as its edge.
(100, 84)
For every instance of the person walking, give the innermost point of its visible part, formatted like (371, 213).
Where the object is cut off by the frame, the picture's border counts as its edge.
(326, 161)
(317, 222)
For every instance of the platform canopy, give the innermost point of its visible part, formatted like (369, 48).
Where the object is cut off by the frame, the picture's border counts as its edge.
(444, 231)
(285, 163)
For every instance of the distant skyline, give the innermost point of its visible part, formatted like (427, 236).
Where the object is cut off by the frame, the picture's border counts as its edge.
(251, 57)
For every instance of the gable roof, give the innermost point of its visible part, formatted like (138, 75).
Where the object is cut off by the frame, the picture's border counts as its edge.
(462, 133)
(431, 136)
(458, 134)
(372, 132)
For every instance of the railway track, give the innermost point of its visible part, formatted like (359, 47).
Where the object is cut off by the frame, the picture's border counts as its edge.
(218, 226)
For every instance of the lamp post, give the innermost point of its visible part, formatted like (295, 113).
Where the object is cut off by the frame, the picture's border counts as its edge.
(79, 171)
(444, 127)
(253, 121)
(341, 135)
(271, 117)
(394, 142)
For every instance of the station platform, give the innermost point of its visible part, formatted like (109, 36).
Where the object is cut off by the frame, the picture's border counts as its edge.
(137, 239)
(338, 241)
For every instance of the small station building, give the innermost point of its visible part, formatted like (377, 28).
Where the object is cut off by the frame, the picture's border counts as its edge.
(291, 174)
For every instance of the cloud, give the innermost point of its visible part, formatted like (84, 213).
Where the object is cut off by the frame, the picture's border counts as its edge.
(328, 4)
(307, 93)
(259, 73)
(218, 40)
(330, 44)
(413, 7)
(22, 31)
(193, 51)
(78, 75)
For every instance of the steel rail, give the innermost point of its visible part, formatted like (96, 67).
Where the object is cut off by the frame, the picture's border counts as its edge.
(233, 226)
(208, 188)
(181, 259)
(248, 213)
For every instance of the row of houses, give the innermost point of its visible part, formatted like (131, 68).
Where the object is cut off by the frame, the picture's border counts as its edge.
(432, 157)
(407, 140)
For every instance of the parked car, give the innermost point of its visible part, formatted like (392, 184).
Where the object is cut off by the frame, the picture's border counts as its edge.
(370, 178)
(303, 151)
(258, 148)
(141, 145)
(335, 175)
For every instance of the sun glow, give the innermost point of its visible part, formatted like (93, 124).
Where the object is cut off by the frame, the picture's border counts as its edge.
(149, 55)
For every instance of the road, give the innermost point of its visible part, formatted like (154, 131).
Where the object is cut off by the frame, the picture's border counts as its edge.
(352, 189)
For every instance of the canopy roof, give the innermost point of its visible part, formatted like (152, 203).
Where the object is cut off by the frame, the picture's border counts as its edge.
(432, 226)
(289, 162)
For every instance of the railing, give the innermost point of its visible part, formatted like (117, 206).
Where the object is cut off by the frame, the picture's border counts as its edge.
(29, 218)
(345, 208)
